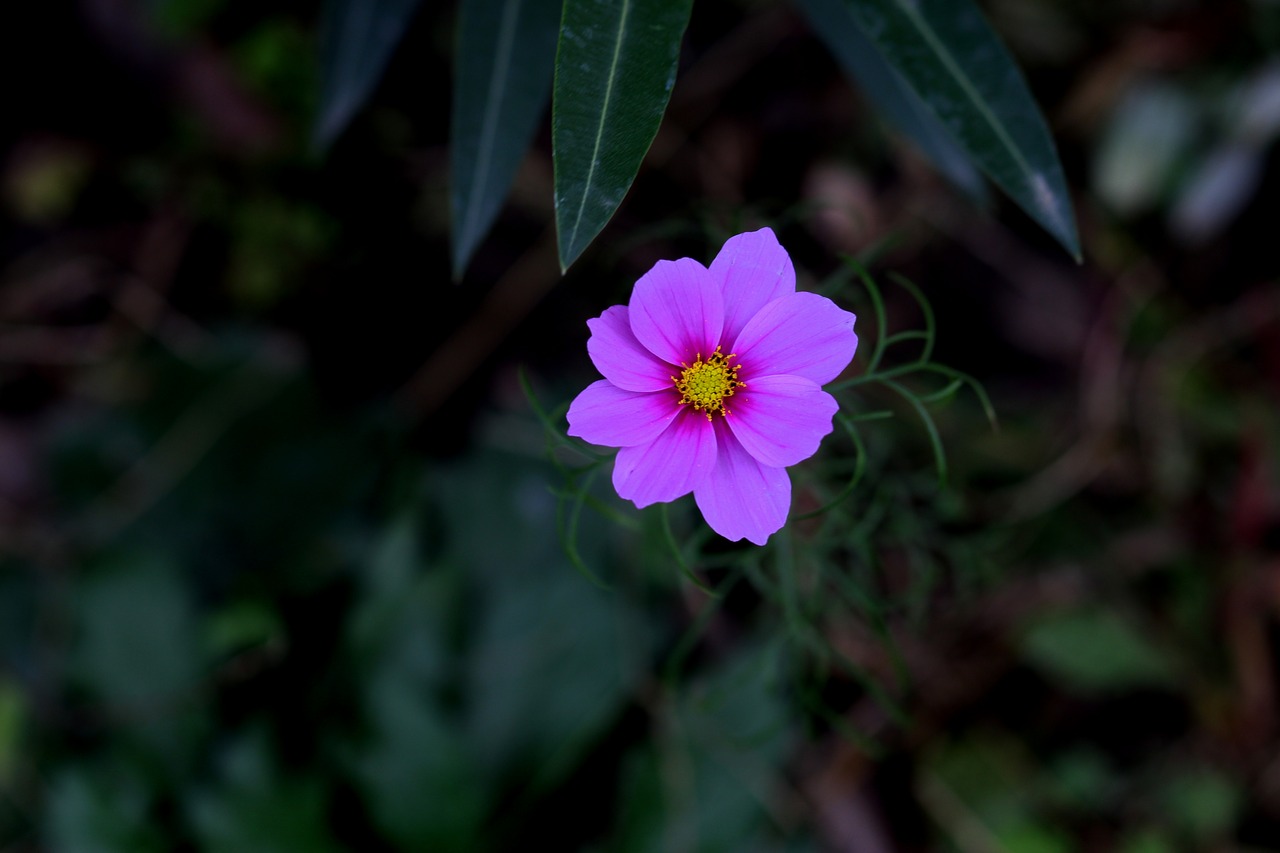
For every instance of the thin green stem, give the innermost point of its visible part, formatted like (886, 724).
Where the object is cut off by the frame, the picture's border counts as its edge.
(569, 528)
(678, 553)
(930, 327)
(935, 440)
(860, 466)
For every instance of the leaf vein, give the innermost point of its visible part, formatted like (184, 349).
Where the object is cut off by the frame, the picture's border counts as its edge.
(604, 113)
(970, 91)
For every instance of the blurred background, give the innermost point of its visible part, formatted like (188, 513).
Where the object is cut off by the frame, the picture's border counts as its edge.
(289, 563)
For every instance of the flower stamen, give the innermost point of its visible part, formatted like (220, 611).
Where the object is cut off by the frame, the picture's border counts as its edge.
(707, 384)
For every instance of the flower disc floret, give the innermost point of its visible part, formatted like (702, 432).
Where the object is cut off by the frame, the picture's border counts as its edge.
(705, 385)
(659, 396)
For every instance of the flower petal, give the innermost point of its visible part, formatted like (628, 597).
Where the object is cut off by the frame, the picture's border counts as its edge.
(671, 466)
(622, 359)
(752, 270)
(607, 415)
(743, 498)
(803, 334)
(781, 420)
(677, 311)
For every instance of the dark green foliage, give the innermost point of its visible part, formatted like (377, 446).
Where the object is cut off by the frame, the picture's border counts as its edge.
(259, 590)
(835, 23)
(955, 65)
(615, 67)
(357, 38)
(502, 81)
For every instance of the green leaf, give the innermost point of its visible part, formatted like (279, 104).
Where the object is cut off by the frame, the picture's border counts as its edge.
(1146, 841)
(254, 806)
(551, 657)
(1095, 652)
(950, 57)
(99, 808)
(884, 86)
(526, 642)
(357, 38)
(1200, 802)
(13, 713)
(501, 82)
(138, 650)
(1144, 149)
(728, 732)
(615, 68)
(418, 775)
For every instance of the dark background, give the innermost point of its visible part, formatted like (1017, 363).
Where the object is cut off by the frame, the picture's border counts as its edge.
(285, 560)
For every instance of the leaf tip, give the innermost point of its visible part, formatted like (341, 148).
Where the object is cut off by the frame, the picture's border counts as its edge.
(1055, 212)
(459, 259)
(566, 255)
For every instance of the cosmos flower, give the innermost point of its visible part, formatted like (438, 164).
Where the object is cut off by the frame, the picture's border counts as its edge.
(712, 384)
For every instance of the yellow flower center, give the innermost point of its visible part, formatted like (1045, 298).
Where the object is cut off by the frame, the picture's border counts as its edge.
(707, 384)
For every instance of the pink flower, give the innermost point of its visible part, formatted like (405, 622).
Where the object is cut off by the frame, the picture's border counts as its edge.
(712, 384)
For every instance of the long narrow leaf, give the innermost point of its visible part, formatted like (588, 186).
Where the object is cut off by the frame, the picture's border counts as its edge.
(357, 38)
(502, 79)
(950, 57)
(884, 86)
(615, 67)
